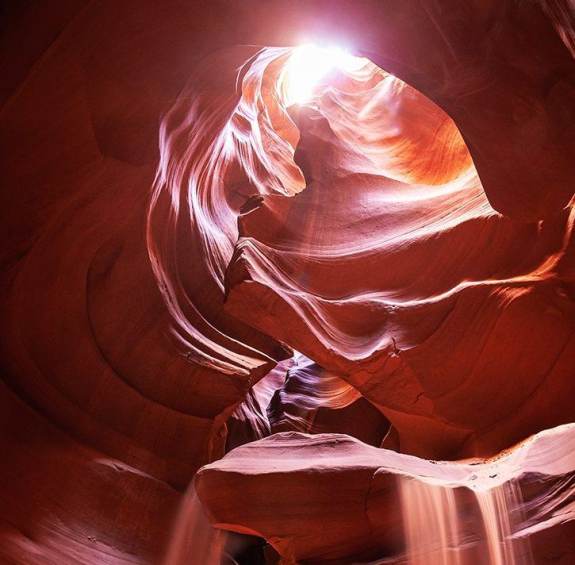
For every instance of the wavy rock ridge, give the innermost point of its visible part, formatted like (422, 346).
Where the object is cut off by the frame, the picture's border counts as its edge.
(411, 243)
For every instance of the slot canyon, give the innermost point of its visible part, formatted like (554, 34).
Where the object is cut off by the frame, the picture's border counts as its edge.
(287, 282)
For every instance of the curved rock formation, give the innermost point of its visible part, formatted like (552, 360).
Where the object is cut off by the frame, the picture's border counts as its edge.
(312, 400)
(174, 233)
(386, 280)
(355, 492)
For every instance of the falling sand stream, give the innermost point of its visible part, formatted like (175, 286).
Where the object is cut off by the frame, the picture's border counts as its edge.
(452, 513)
(194, 541)
(442, 526)
(460, 526)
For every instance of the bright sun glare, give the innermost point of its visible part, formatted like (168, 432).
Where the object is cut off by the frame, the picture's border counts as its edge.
(308, 64)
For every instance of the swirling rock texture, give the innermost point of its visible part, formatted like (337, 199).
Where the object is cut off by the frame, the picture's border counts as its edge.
(190, 265)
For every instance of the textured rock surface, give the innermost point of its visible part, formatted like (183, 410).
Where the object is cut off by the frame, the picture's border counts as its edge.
(120, 364)
(424, 298)
(312, 400)
(330, 497)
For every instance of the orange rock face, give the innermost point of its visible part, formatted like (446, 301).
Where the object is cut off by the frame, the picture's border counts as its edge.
(190, 265)
(395, 272)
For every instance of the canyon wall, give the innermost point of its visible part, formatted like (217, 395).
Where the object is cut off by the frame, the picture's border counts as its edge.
(173, 233)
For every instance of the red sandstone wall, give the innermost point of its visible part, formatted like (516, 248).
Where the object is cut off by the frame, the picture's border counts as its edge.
(112, 397)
